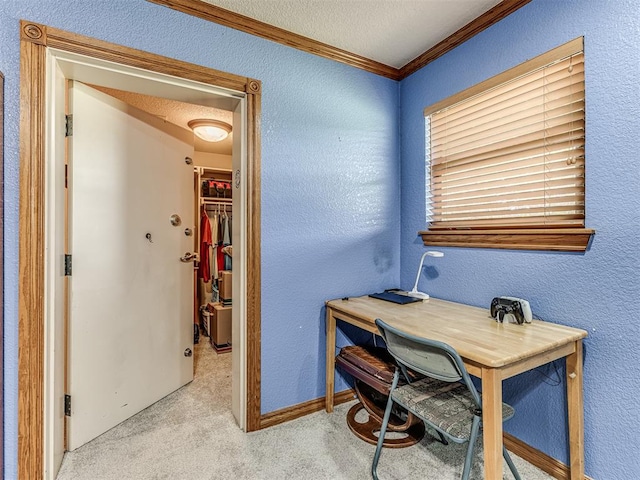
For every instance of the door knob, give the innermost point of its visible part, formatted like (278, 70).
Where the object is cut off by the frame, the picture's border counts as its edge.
(189, 257)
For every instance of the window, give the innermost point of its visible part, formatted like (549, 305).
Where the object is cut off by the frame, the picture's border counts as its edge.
(506, 159)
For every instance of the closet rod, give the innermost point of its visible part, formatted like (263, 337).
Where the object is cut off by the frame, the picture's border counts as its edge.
(216, 180)
(226, 208)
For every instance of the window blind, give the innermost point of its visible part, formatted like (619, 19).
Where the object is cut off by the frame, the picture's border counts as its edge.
(513, 155)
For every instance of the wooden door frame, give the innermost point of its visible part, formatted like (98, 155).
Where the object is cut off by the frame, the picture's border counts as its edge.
(34, 41)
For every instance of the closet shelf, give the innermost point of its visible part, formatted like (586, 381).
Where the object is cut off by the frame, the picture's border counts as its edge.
(213, 173)
(216, 201)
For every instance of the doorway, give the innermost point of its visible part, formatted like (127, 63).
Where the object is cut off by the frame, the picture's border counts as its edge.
(40, 333)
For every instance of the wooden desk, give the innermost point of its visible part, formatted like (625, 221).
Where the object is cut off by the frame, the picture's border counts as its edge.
(491, 351)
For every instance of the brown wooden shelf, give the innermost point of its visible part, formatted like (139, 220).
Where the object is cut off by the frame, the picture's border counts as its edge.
(552, 239)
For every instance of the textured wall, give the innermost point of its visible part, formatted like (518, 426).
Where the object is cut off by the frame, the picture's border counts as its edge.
(330, 178)
(596, 291)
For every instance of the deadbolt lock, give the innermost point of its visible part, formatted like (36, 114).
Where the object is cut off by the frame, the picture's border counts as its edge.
(175, 220)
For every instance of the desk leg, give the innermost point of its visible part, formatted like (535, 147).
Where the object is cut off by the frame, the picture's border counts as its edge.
(331, 360)
(492, 423)
(575, 410)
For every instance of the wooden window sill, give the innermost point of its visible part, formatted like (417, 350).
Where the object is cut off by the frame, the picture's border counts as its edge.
(554, 239)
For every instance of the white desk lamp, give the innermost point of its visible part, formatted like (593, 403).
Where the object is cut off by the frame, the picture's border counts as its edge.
(415, 293)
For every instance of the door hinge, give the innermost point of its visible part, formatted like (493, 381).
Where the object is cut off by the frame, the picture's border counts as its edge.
(67, 265)
(68, 129)
(66, 176)
(67, 405)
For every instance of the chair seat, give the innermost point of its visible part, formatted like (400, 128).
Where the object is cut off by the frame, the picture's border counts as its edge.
(443, 405)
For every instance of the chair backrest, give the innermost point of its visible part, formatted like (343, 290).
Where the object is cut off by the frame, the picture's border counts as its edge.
(430, 357)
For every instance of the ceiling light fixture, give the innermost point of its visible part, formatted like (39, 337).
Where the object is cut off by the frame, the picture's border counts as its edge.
(210, 130)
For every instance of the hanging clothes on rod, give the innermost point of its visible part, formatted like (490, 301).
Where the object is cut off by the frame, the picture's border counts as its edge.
(206, 241)
(212, 250)
(226, 236)
(226, 241)
(219, 214)
(220, 244)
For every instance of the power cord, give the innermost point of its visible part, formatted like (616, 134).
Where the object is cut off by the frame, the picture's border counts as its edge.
(549, 379)
(552, 380)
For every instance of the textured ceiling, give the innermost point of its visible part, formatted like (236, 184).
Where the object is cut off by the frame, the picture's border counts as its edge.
(178, 113)
(392, 32)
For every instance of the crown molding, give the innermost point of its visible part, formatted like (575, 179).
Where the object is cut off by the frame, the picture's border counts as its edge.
(249, 25)
(471, 29)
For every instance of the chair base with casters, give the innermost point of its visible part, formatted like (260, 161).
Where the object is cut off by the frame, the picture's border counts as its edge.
(372, 369)
(445, 399)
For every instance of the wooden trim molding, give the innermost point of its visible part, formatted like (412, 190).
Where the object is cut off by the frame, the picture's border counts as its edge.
(230, 19)
(33, 32)
(301, 409)
(249, 25)
(553, 239)
(253, 289)
(31, 255)
(471, 29)
(544, 462)
(34, 41)
(535, 457)
(71, 42)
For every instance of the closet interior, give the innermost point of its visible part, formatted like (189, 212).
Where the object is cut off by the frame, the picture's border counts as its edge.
(213, 244)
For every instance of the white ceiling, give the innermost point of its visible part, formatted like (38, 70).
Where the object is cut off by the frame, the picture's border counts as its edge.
(179, 114)
(392, 32)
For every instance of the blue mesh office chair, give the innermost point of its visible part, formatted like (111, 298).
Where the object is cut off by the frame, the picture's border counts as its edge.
(446, 399)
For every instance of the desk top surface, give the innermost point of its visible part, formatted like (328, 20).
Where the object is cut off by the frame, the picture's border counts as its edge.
(470, 330)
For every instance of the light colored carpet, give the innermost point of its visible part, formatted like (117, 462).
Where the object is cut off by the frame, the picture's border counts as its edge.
(192, 435)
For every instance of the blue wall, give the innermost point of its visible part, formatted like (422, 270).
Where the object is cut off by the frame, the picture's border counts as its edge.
(331, 184)
(330, 178)
(596, 291)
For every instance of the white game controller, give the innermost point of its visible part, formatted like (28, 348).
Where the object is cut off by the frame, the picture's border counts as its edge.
(511, 309)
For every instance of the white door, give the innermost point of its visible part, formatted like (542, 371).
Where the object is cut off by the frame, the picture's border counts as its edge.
(131, 297)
